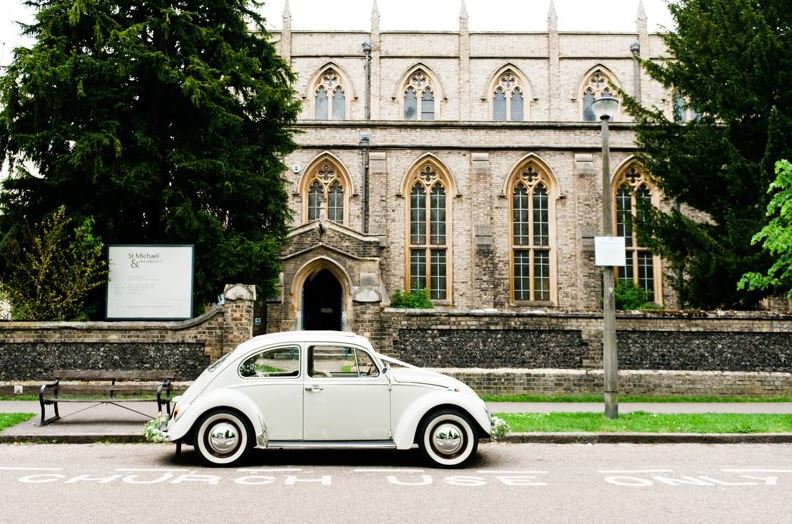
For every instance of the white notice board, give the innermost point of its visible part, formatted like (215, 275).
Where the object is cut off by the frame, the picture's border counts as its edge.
(609, 251)
(150, 282)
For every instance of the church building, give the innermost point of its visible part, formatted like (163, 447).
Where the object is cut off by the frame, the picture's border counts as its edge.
(466, 163)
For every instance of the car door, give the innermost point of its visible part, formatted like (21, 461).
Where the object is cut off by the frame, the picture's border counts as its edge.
(346, 396)
(272, 379)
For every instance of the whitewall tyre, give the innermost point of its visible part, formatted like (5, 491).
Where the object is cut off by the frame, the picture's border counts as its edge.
(223, 437)
(447, 438)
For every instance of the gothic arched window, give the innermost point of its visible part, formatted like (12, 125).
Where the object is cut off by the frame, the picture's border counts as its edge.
(531, 239)
(326, 193)
(633, 194)
(507, 98)
(417, 86)
(329, 96)
(429, 239)
(597, 85)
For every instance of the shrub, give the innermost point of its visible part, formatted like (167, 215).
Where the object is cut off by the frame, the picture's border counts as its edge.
(629, 296)
(413, 299)
(55, 269)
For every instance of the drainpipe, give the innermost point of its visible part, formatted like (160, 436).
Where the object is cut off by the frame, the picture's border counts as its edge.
(367, 69)
(364, 154)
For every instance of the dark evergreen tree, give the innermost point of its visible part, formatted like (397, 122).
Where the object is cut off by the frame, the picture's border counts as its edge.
(731, 62)
(165, 121)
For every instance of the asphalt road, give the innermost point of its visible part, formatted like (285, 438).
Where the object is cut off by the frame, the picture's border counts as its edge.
(508, 483)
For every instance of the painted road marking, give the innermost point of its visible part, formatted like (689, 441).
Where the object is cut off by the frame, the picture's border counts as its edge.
(8, 468)
(386, 470)
(718, 477)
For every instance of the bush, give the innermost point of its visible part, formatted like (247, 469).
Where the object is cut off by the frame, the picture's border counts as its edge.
(628, 296)
(413, 299)
(54, 270)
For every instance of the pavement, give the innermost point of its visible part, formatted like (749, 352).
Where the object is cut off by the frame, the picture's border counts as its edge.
(91, 422)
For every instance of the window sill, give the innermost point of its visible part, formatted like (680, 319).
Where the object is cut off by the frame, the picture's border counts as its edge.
(533, 303)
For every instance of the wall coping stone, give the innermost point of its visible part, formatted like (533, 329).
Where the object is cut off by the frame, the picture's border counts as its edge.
(130, 325)
(622, 372)
(627, 315)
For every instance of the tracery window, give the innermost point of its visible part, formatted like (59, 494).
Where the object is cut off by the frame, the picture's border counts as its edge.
(417, 88)
(507, 99)
(429, 242)
(329, 96)
(633, 195)
(531, 241)
(325, 193)
(598, 85)
(682, 111)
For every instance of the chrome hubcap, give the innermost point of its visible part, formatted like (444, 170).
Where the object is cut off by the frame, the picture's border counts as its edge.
(223, 438)
(447, 439)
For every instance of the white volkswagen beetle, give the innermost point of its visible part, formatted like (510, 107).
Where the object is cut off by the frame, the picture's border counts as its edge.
(325, 389)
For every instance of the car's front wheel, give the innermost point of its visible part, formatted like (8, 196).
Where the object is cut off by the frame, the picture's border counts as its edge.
(223, 437)
(447, 438)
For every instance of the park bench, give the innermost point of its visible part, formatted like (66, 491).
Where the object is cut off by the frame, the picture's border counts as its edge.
(104, 387)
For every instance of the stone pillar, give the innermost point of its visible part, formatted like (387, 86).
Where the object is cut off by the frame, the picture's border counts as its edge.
(237, 315)
(286, 35)
(482, 272)
(378, 194)
(464, 64)
(642, 28)
(554, 65)
(376, 53)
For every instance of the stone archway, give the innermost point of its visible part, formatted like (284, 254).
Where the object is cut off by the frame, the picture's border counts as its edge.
(321, 284)
(322, 302)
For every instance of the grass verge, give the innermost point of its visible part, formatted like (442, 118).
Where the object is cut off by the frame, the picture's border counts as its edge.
(12, 419)
(626, 398)
(643, 422)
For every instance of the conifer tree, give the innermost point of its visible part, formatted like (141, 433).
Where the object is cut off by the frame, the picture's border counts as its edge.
(730, 61)
(163, 121)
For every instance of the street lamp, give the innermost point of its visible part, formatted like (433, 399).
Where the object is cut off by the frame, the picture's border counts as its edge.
(605, 108)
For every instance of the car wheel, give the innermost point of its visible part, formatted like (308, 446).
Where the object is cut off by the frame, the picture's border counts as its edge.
(223, 437)
(447, 438)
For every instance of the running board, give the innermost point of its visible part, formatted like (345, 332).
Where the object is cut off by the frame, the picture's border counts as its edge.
(331, 444)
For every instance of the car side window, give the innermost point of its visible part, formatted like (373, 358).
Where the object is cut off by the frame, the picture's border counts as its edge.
(340, 362)
(277, 362)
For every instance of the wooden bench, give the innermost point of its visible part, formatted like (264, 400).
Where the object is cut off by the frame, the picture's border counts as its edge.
(104, 386)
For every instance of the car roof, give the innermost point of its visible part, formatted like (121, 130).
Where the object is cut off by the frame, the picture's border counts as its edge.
(305, 336)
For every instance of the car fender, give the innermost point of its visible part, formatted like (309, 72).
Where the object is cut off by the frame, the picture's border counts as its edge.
(404, 433)
(226, 398)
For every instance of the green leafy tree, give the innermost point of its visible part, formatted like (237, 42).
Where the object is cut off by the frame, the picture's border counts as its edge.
(731, 62)
(165, 121)
(776, 236)
(58, 267)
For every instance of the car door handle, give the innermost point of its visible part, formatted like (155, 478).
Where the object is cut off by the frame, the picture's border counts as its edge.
(313, 387)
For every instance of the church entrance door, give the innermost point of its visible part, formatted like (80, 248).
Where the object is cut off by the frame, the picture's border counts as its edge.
(322, 299)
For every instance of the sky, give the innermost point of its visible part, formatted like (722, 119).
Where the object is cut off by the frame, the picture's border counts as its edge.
(439, 15)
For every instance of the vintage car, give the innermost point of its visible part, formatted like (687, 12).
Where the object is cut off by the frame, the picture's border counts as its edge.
(325, 389)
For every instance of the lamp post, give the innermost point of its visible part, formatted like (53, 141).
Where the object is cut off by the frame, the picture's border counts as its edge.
(605, 108)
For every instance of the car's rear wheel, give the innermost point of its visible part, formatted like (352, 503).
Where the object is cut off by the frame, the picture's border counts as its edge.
(447, 438)
(223, 437)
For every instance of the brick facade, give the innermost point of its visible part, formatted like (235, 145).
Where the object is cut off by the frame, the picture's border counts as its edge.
(480, 156)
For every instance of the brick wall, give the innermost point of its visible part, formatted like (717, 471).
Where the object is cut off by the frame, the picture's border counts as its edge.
(32, 350)
(673, 341)
(649, 383)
